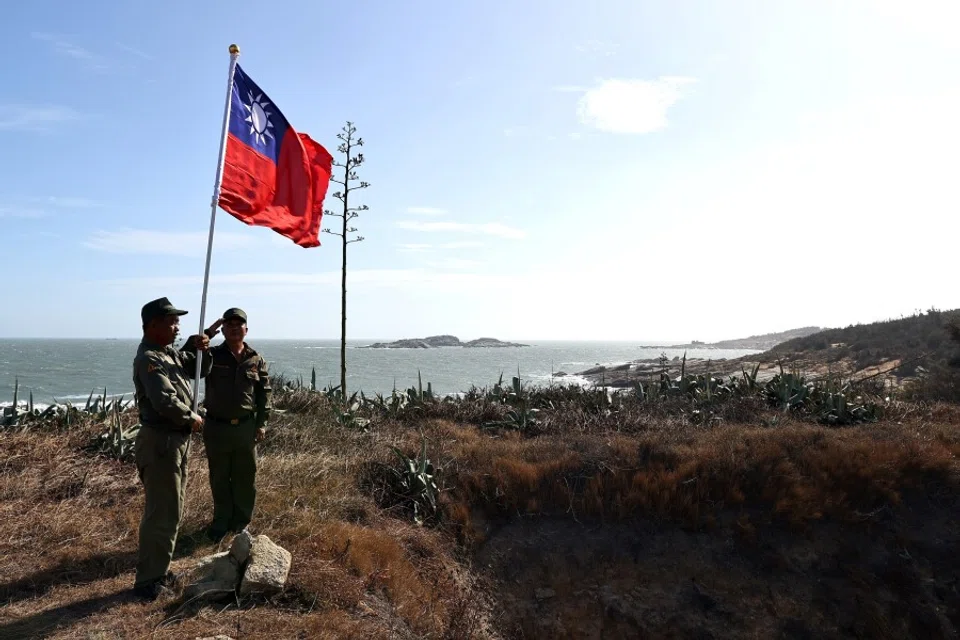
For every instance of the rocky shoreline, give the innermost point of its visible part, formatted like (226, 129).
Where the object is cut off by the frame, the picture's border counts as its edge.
(630, 373)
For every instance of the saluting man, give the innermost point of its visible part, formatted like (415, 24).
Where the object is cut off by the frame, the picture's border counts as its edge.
(238, 404)
(162, 380)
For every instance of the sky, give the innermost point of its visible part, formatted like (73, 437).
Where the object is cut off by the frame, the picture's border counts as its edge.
(621, 170)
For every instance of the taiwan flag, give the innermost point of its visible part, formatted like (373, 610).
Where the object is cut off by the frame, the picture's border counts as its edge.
(272, 176)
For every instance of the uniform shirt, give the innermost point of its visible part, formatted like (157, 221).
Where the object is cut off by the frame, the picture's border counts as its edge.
(161, 378)
(236, 388)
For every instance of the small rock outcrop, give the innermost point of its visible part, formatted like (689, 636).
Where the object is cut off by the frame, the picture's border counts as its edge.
(267, 568)
(431, 342)
(491, 342)
(254, 564)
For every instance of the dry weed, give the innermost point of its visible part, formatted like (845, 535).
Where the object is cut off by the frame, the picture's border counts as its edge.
(68, 519)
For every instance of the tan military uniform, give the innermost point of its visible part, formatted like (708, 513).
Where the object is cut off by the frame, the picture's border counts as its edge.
(238, 402)
(161, 377)
(237, 389)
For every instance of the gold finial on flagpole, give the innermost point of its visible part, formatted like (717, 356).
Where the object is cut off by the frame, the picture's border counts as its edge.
(234, 50)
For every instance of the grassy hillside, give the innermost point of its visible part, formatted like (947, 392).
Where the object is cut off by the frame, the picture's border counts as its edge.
(918, 340)
(690, 510)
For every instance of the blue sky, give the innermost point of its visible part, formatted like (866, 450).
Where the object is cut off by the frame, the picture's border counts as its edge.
(637, 170)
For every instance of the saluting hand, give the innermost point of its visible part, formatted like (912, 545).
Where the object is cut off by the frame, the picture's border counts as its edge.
(214, 329)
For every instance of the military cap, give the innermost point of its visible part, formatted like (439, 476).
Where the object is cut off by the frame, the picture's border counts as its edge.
(234, 312)
(159, 308)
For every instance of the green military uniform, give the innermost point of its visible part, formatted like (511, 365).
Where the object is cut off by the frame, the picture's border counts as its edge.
(238, 403)
(161, 377)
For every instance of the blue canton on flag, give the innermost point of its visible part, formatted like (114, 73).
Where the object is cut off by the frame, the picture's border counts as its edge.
(254, 119)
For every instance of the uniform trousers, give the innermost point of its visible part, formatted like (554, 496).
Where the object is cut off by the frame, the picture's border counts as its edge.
(232, 461)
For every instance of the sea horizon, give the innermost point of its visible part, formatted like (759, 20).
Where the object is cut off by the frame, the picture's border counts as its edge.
(185, 334)
(69, 369)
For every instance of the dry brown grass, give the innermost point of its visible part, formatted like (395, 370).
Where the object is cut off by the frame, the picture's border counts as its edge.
(793, 474)
(68, 525)
(68, 519)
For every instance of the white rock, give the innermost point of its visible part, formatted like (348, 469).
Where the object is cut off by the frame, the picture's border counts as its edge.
(268, 567)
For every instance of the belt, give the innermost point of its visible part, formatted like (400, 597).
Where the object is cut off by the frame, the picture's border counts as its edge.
(240, 420)
(168, 427)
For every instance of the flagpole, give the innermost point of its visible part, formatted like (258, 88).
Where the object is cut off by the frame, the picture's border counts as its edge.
(234, 55)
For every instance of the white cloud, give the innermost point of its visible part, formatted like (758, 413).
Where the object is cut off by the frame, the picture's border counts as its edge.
(264, 283)
(489, 228)
(460, 245)
(465, 81)
(426, 211)
(136, 52)
(877, 173)
(68, 202)
(933, 20)
(443, 246)
(145, 241)
(20, 212)
(16, 117)
(92, 61)
(420, 247)
(629, 105)
(454, 264)
(42, 207)
(598, 48)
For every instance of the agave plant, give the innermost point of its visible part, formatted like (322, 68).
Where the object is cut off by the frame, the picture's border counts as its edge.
(14, 409)
(417, 396)
(502, 394)
(415, 483)
(835, 403)
(520, 418)
(787, 390)
(349, 416)
(116, 441)
(391, 406)
(749, 380)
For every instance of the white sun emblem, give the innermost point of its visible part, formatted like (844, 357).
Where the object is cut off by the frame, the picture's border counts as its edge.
(259, 118)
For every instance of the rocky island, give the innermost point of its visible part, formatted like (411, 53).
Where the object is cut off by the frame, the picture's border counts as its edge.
(431, 342)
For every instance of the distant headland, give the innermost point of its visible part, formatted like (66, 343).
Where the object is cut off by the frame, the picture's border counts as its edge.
(431, 342)
(760, 343)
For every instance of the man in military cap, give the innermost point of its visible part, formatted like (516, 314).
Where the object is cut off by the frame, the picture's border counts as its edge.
(162, 379)
(238, 404)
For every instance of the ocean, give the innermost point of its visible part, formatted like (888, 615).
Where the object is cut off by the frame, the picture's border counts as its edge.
(68, 370)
